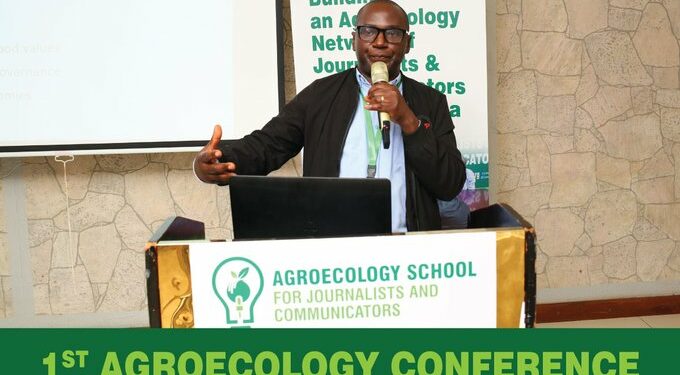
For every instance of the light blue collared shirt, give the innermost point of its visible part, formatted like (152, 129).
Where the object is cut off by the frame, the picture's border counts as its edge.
(390, 164)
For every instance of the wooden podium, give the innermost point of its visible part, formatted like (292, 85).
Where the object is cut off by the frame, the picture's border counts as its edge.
(169, 275)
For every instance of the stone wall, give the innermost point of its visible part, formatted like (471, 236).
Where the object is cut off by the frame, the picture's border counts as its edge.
(116, 203)
(5, 292)
(588, 135)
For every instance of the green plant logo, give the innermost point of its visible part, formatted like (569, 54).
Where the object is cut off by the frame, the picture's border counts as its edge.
(238, 283)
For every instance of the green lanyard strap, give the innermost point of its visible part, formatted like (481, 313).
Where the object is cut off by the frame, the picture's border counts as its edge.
(373, 139)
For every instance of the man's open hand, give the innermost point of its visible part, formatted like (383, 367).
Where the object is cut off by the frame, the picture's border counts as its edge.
(207, 164)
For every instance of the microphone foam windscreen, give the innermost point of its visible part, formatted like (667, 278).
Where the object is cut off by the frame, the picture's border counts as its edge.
(379, 72)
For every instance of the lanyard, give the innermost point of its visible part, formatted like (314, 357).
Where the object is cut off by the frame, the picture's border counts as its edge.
(373, 139)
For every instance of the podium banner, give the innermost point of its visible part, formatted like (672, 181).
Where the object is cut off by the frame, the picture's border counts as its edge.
(442, 280)
(448, 53)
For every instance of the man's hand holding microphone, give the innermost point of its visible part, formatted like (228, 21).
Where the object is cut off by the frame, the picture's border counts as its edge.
(386, 99)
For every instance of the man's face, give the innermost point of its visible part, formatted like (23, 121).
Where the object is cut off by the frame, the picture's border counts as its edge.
(382, 16)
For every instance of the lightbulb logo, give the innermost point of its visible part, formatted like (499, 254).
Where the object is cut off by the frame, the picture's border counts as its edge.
(238, 283)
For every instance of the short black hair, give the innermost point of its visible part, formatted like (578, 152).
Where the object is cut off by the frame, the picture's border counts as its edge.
(393, 3)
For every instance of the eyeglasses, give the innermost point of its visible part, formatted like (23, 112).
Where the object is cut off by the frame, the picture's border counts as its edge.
(370, 33)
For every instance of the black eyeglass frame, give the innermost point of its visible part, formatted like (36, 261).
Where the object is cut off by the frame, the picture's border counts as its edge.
(379, 31)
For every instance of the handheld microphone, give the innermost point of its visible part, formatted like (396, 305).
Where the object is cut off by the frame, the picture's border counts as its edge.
(379, 74)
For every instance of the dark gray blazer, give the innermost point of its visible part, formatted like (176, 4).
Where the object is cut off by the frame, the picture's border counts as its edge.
(318, 119)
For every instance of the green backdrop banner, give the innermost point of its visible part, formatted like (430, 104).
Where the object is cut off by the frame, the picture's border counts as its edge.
(343, 352)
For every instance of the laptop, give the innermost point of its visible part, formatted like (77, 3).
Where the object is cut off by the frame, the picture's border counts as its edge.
(309, 207)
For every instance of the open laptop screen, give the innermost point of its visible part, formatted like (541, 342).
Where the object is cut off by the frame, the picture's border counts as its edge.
(309, 207)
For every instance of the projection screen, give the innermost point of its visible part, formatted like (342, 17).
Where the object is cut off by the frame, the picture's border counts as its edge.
(94, 76)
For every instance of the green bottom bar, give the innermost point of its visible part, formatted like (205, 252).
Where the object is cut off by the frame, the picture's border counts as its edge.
(342, 352)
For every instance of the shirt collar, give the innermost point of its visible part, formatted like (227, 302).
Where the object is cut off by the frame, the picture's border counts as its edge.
(364, 84)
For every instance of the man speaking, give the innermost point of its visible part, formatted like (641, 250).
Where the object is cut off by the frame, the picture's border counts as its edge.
(337, 120)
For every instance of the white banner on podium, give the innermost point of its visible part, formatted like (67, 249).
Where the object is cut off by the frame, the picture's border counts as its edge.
(445, 280)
